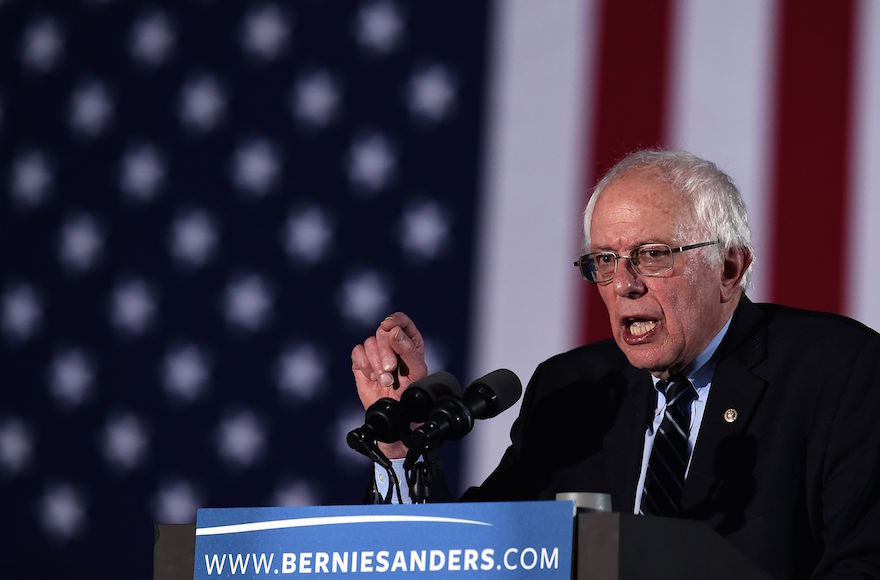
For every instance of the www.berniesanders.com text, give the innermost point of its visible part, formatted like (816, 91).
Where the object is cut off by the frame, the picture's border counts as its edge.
(383, 561)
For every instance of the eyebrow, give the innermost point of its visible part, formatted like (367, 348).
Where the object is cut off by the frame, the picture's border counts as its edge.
(636, 245)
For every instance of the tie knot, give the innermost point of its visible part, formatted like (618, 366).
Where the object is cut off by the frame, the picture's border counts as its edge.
(678, 390)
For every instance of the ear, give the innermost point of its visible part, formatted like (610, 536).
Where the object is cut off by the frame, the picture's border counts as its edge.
(736, 261)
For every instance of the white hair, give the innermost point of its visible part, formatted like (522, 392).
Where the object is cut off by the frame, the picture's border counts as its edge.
(718, 205)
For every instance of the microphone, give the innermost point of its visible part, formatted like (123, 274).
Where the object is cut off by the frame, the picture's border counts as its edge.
(388, 420)
(452, 418)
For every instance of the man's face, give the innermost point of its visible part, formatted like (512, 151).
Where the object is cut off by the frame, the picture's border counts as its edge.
(660, 323)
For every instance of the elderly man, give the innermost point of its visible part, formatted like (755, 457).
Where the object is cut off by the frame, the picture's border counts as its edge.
(760, 420)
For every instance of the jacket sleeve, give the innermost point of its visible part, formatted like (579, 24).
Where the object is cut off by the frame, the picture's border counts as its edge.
(850, 492)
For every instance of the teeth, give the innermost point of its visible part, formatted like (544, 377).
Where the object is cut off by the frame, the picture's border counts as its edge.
(640, 327)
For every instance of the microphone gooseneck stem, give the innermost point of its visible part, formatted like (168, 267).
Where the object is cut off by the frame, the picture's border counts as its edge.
(358, 440)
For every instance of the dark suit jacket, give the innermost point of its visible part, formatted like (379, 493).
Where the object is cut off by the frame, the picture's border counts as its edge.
(793, 482)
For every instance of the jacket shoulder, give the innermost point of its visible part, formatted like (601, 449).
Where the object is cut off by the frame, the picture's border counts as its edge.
(815, 325)
(591, 361)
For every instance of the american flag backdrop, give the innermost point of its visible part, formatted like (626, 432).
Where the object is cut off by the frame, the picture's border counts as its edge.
(205, 204)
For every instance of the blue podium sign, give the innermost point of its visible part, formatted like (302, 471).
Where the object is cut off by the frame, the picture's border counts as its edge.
(477, 540)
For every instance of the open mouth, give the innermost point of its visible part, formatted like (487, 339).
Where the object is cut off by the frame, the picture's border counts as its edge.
(640, 327)
(638, 330)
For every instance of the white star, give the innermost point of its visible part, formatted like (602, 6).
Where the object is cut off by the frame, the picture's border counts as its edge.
(71, 377)
(62, 512)
(364, 298)
(22, 312)
(16, 446)
(315, 100)
(424, 230)
(241, 439)
(431, 93)
(248, 302)
(265, 32)
(31, 178)
(176, 503)
(193, 238)
(142, 173)
(41, 45)
(125, 442)
(202, 103)
(379, 27)
(90, 109)
(256, 167)
(295, 493)
(81, 243)
(133, 307)
(371, 163)
(351, 418)
(152, 39)
(308, 235)
(301, 370)
(185, 372)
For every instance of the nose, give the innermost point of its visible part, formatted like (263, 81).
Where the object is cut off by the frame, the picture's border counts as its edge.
(627, 282)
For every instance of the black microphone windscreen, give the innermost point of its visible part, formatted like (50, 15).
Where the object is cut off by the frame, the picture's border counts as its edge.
(505, 387)
(439, 384)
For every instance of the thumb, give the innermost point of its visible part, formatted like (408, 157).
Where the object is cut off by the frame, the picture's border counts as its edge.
(411, 352)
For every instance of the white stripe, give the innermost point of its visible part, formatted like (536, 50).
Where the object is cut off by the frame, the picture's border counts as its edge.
(530, 222)
(721, 95)
(864, 242)
(326, 521)
(676, 425)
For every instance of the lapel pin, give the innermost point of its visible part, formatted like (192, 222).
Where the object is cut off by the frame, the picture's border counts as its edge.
(730, 415)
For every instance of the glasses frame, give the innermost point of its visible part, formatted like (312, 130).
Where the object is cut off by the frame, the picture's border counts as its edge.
(579, 263)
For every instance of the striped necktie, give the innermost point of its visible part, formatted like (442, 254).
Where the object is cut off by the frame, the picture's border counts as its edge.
(664, 478)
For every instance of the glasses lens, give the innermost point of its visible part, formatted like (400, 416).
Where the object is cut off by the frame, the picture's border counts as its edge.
(654, 259)
(599, 267)
(588, 268)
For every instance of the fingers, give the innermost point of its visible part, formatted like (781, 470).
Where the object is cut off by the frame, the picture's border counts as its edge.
(398, 336)
(391, 359)
(385, 357)
(382, 360)
(399, 319)
(411, 352)
(365, 359)
(361, 369)
(360, 363)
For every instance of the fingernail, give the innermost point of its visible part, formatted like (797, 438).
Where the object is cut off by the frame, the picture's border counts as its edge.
(388, 363)
(400, 335)
(386, 380)
(372, 376)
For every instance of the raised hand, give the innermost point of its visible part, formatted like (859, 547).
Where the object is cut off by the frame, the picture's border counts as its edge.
(387, 363)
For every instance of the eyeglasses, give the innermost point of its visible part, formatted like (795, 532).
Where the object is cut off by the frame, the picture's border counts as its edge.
(646, 260)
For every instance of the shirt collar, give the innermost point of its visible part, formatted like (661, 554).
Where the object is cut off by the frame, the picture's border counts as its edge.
(700, 371)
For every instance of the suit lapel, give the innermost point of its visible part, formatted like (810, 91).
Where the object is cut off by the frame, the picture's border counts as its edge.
(733, 398)
(625, 441)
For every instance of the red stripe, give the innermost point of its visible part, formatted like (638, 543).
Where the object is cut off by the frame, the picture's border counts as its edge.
(630, 104)
(811, 185)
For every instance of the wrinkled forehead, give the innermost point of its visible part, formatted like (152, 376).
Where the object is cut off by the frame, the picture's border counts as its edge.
(645, 202)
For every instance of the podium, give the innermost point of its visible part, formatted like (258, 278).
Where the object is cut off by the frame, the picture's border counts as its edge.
(615, 546)
(606, 546)
(174, 548)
